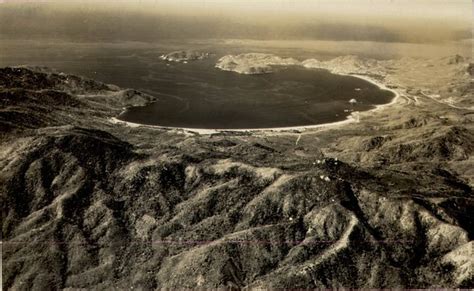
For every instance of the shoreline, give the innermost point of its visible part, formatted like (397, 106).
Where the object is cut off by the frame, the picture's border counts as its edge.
(382, 86)
(354, 117)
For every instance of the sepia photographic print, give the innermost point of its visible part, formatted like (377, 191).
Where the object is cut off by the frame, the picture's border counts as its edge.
(236, 144)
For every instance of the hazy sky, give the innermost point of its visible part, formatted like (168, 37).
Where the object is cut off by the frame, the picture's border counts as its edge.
(379, 20)
(420, 7)
(456, 9)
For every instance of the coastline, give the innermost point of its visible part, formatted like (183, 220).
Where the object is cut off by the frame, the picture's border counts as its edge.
(382, 86)
(354, 117)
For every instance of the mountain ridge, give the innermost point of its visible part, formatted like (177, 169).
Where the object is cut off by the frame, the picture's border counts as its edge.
(91, 204)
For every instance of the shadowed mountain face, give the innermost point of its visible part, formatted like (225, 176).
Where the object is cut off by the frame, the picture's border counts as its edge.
(91, 204)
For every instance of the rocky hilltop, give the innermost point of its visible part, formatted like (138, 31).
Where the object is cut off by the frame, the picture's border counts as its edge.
(253, 63)
(87, 203)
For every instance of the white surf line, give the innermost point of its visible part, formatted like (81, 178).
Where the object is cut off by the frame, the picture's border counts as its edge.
(352, 118)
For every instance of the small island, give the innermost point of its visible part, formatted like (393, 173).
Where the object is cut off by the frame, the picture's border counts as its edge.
(253, 63)
(184, 56)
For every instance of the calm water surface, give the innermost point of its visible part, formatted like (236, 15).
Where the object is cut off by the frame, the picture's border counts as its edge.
(197, 95)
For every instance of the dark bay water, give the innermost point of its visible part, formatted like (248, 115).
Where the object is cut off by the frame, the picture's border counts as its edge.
(197, 95)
